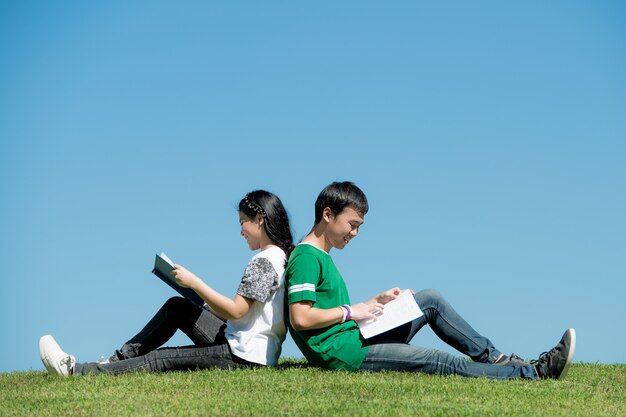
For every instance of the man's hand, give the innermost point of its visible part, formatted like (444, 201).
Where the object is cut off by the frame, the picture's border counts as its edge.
(385, 297)
(363, 311)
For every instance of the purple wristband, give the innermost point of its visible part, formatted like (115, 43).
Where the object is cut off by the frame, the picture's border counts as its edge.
(349, 310)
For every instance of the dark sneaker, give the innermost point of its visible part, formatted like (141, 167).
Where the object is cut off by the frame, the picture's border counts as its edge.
(555, 363)
(510, 360)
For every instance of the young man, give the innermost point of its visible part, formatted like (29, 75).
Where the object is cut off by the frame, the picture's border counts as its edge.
(323, 323)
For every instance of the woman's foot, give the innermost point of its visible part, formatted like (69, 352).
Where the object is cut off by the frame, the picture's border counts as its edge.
(54, 359)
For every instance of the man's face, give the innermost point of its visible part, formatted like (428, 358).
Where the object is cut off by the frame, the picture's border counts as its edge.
(342, 227)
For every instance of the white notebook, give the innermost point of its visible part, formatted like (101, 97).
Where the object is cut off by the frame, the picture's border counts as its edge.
(396, 312)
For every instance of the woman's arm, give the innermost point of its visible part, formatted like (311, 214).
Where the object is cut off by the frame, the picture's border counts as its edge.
(226, 308)
(303, 316)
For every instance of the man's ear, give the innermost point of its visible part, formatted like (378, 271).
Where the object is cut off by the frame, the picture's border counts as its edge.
(327, 214)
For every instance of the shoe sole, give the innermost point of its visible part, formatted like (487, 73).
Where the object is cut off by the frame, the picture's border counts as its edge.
(570, 354)
(42, 354)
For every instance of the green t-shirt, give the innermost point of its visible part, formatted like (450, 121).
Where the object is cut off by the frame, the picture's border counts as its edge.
(311, 275)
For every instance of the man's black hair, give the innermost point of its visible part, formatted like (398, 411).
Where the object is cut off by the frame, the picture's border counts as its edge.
(339, 195)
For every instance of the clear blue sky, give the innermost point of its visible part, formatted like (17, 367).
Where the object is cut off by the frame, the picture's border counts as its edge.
(489, 137)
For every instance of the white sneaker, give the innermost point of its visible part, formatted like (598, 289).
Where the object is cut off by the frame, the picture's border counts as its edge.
(43, 357)
(54, 359)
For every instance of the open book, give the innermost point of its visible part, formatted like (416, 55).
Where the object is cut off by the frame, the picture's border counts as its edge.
(397, 312)
(163, 268)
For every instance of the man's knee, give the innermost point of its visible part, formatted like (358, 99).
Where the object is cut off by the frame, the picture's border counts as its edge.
(428, 297)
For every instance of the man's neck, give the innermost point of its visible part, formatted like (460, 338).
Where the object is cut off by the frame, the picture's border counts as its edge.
(318, 239)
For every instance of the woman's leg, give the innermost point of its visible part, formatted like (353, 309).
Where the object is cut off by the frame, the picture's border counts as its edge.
(178, 313)
(447, 324)
(217, 355)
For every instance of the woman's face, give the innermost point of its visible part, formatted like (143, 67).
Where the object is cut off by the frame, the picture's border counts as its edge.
(251, 230)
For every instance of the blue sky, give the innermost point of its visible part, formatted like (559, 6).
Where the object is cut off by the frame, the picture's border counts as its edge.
(489, 137)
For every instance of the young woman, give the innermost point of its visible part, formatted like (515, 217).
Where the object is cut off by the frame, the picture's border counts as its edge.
(247, 330)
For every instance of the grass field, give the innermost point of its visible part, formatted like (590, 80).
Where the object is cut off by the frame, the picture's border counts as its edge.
(294, 389)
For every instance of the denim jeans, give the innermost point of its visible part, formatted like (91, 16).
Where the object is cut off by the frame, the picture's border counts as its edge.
(392, 351)
(142, 352)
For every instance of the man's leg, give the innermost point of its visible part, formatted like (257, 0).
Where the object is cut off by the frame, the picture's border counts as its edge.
(448, 325)
(178, 313)
(403, 357)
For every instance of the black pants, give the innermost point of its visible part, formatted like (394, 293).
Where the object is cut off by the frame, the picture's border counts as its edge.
(143, 352)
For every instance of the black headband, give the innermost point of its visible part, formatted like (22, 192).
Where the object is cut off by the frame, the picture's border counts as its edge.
(254, 206)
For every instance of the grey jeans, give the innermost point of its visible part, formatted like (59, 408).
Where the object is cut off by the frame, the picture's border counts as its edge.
(392, 351)
(143, 351)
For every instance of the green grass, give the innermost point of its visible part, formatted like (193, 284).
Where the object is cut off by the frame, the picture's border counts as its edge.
(294, 389)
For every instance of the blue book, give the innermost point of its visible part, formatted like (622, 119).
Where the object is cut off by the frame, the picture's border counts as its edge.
(163, 268)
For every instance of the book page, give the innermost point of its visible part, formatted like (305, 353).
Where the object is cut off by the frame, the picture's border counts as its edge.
(166, 259)
(163, 267)
(397, 312)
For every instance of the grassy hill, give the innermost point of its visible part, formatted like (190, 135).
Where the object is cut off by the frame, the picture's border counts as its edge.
(294, 389)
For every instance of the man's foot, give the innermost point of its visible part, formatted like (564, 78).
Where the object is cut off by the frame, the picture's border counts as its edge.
(555, 363)
(510, 360)
(54, 359)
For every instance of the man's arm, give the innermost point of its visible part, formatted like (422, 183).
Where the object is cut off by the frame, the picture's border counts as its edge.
(303, 316)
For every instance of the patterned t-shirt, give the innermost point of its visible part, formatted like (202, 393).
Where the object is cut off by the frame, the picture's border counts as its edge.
(311, 275)
(258, 336)
(259, 280)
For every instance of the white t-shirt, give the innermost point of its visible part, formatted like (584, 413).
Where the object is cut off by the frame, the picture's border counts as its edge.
(258, 336)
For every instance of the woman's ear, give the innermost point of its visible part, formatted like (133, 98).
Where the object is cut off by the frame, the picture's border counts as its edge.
(260, 220)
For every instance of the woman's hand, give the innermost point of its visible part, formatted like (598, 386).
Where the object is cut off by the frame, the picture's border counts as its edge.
(184, 277)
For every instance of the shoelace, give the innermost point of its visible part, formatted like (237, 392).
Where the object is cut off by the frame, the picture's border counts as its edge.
(544, 357)
(69, 362)
(515, 357)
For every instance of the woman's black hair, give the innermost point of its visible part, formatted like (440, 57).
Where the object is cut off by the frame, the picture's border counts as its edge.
(276, 219)
(339, 195)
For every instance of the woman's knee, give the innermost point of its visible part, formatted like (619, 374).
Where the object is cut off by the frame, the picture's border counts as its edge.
(177, 304)
(176, 300)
